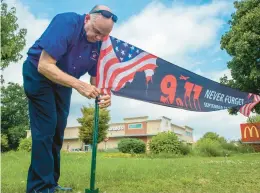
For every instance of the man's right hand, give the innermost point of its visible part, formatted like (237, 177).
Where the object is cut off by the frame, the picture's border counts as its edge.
(87, 90)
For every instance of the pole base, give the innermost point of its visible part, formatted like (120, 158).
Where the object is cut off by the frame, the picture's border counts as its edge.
(91, 191)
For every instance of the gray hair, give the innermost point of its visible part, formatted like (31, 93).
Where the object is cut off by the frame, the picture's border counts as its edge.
(94, 15)
(94, 8)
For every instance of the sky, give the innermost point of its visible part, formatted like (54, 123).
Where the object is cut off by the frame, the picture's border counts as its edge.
(184, 32)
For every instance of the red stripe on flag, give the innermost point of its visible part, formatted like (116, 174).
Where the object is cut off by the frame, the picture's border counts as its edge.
(246, 109)
(119, 70)
(111, 62)
(106, 51)
(103, 53)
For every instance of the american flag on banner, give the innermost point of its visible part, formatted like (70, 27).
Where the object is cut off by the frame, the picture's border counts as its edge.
(118, 63)
(246, 109)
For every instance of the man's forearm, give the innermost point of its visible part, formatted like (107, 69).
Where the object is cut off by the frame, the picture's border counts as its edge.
(52, 72)
(47, 67)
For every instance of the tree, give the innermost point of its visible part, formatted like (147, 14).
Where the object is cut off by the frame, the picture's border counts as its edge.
(213, 136)
(12, 38)
(87, 124)
(14, 113)
(242, 43)
(254, 119)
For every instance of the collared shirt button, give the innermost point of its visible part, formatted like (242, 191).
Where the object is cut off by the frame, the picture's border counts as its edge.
(79, 56)
(74, 67)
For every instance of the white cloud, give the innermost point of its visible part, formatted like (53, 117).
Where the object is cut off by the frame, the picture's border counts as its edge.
(216, 60)
(174, 32)
(214, 75)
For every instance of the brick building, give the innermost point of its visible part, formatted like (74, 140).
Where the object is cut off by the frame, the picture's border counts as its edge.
(136, 127)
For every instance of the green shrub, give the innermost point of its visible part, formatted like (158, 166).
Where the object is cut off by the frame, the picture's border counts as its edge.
(209, 147)
(230, 147)
(165, 142)
(245, 148)
(25, 144)
(4, 143)
(131, 145)
(213, 136)
(185, 149)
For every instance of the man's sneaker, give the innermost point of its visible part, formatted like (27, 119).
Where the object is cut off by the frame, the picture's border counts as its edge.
(59, 188)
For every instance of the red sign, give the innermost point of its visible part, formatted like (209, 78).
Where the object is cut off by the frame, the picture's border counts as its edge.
(250, 132)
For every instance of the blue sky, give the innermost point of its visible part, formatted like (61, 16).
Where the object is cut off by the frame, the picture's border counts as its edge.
(186, 33)
(125, 9)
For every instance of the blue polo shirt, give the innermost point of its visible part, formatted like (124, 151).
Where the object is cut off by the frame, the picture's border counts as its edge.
(65, 40)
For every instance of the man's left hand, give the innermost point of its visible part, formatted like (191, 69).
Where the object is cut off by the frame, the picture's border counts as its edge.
(104, 101)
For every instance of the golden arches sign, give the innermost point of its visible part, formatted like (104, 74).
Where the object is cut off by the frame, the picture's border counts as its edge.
(251, 131)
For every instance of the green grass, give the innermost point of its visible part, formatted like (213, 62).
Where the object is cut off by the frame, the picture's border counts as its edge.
(238, 174)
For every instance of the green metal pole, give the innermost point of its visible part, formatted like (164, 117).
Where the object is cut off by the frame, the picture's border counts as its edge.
(94, 152)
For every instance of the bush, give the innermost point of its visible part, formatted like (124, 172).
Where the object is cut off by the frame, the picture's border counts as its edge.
(213, 136)
(4, 143)
(131, 145)
(165, 142)
(245, 148)
(25, 144)
(209, 147)
(15, 134)
(185, 149)
(230, 146)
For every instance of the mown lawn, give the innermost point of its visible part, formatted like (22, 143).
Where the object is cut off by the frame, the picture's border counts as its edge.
(238, 174)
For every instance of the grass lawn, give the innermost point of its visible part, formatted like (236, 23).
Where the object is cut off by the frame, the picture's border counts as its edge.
(238, 174)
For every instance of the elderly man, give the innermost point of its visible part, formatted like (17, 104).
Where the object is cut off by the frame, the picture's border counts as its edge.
(67, 49)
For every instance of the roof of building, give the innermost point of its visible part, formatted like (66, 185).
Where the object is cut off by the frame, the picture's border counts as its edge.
(188, 127)
(134, 135)
(130, 118)
(141, 117)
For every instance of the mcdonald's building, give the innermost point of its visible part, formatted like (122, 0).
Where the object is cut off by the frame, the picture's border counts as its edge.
(250, 133)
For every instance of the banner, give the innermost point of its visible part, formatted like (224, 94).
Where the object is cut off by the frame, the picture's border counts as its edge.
(128, 71)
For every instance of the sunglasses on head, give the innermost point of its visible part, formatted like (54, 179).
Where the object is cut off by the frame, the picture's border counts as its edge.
(106, 14)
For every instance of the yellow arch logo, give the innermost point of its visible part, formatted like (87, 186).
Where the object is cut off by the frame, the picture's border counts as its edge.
(251, 131)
